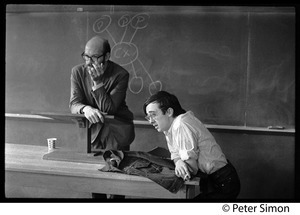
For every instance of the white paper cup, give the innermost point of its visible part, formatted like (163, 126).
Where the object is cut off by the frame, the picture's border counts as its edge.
(51, 143)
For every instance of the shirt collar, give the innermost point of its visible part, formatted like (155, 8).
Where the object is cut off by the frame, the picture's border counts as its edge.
(167, 133)
(176, 120)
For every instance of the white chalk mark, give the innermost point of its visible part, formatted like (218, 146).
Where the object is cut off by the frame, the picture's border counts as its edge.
(124, 33)
(133, 69)
(133, 36)
(139, 21)
(112, 9)
(123, 22)
(153, 83)
(111, 37)
(145, 70)
(140, 81)
(136, 79)
(101, 24)
(157, 87)
(127, 52)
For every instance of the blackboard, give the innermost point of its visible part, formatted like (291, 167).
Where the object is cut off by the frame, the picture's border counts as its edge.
(230, 66)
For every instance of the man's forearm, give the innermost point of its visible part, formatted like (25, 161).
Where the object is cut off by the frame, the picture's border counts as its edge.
(193, 164)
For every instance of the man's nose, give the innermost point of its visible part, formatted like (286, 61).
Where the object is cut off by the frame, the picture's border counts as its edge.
(151, 120)
(89, 62)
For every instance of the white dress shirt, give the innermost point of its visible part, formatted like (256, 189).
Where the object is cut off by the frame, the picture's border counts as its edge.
(188, 138)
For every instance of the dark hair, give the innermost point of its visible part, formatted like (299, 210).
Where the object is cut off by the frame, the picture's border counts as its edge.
(106, 46)
(165, 100)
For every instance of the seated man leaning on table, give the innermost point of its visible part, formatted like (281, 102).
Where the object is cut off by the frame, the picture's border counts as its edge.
(193, 148)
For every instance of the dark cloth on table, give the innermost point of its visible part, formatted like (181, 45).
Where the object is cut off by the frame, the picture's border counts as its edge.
(159, 170)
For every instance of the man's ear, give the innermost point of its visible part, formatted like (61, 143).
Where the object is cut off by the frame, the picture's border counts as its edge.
(107, 56)
(170, 112)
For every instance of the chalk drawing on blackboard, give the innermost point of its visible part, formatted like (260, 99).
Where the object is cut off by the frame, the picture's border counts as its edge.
(271, 79)
(126, 52)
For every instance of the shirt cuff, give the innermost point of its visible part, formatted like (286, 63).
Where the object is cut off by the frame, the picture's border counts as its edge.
(97, 86)
(81, 110)
(175, 156)
(184, 155)
(176, 159)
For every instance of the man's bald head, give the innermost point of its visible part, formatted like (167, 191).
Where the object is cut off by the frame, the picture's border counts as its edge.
(97, 45)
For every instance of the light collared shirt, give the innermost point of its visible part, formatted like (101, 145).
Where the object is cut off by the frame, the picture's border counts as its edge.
(188, 138)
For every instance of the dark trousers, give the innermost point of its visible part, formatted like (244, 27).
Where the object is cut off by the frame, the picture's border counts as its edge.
(110, 196)
(222, 184)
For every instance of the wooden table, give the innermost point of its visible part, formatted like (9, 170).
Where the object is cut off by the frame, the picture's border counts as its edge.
(25, 167)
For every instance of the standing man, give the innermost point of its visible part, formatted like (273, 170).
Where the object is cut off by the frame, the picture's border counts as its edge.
(193, 148)
(98, 87)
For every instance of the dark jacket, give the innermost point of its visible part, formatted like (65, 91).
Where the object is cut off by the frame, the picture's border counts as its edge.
(110, 99)
(160, 170)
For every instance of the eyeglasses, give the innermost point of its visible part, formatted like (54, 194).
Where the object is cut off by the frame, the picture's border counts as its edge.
(151, 116)
(93, 58)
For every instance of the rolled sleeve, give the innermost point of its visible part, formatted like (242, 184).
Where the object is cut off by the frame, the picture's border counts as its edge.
(186, 142)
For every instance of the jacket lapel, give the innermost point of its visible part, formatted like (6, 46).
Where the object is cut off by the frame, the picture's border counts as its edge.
(88, 87)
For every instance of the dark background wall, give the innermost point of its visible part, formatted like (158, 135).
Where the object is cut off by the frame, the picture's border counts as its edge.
(229, 65)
